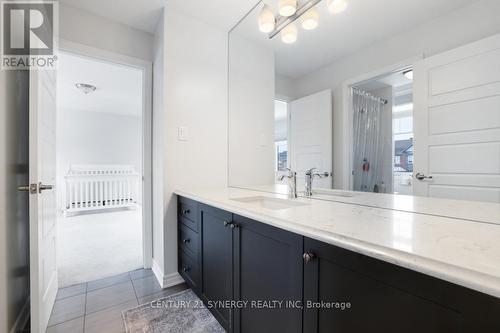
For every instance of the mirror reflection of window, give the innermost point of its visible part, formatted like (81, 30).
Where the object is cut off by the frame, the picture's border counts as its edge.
(280, 138)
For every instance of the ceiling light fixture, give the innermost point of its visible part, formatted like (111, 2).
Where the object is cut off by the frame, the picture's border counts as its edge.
(287, 7)
(86, 88)
(289, 12)
(310, 19)
(336, 6)
(267, 22)
(289, 34)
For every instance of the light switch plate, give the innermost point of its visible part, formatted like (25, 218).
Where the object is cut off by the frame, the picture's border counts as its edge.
(183, 133)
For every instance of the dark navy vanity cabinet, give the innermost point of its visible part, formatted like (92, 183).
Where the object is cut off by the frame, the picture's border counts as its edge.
(254, 277)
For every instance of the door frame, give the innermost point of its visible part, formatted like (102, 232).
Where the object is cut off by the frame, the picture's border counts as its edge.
(147, 138)
(348, 115)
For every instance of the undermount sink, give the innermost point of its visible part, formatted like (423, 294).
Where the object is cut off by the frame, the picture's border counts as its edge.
(270, 203)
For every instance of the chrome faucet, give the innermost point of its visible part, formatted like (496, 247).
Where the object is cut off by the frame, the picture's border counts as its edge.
(292, 183)
(310, 174)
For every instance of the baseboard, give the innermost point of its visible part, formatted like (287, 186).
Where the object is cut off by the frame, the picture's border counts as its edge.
(157, 271)
(171, 280)
(22, 318)
(166, 281)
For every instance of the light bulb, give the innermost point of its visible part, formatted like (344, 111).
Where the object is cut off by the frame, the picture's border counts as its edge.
(310, 19)
(287, 7)
(267, 21)
(336, 6)
(289, 34)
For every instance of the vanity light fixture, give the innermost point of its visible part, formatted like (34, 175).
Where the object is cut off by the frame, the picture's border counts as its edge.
(310, 19)
(287, 7)
(85, 88)
(267, 22)
(289, 34)
(336, 6)
(289, 12)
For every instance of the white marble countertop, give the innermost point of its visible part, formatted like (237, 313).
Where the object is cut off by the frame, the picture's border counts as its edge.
(460, 209)
(456, 250)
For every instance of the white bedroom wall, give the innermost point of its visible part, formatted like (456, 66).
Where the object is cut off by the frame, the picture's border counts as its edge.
(86, 137)
(251, 120)
(479, 20)
(83, 27)
(195, 96)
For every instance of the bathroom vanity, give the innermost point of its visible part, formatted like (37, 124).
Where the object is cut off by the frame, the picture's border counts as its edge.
(263, 263)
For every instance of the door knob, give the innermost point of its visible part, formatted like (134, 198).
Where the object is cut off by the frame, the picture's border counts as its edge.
(421, 176)
(308, 257)
(42, 187)
(31, 188)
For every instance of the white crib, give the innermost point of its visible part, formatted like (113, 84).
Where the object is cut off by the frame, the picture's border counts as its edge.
(96, 187)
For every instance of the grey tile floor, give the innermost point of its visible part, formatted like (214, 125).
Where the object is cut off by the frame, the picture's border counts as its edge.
(96, 306)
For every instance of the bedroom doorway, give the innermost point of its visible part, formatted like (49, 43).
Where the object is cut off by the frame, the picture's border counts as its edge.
(103, 206)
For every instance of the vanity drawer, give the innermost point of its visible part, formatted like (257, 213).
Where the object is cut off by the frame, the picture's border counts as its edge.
(188, 213)
(188, 269)
(188, 241)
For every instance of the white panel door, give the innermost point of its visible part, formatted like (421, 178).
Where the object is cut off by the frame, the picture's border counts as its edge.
(43, 268)
(457, 123)
(310, 137)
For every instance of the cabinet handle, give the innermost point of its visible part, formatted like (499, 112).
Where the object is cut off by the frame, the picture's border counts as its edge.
(308, 257)
(187, 240)
(186, 211)
(233, 226)
(186, 269)
(226, 223)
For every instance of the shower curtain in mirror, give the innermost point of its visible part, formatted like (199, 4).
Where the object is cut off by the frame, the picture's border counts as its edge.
(368, 147)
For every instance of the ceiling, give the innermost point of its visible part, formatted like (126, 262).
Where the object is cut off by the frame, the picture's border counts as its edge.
(364, 23)
(224, 14)
(145, 14)
(140, 14)
(119, 88)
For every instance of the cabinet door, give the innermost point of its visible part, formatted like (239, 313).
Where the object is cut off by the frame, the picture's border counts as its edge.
(268, 267)
(332, 276)
(217, 261)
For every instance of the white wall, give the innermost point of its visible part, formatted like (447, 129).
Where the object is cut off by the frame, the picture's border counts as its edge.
(86, 28)
(251, 121)
(466, 25)
(195, 88)
(284, 88)
(86, 137)
(158, 206)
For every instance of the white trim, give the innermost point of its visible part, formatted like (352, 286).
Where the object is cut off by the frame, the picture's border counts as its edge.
(147, 68)
(166, 281)
(347, 116)
(158, 272)
(22, 318)
(171, 280)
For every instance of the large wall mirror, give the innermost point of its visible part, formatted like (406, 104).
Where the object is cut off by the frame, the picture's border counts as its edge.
(362, 96)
